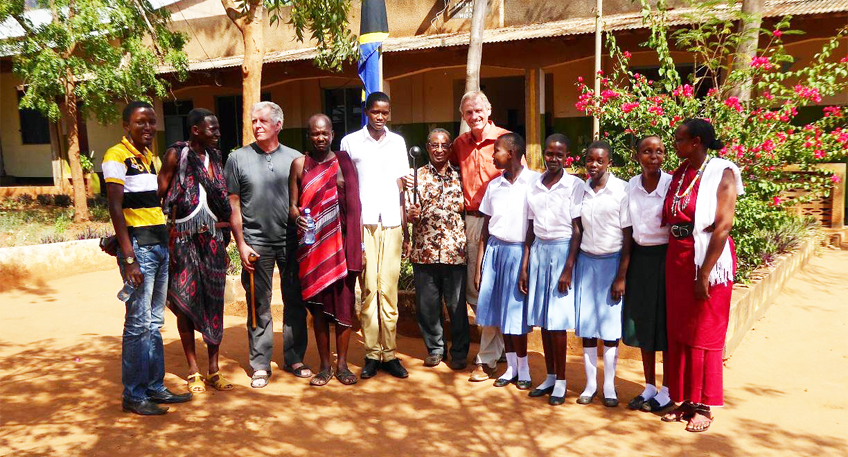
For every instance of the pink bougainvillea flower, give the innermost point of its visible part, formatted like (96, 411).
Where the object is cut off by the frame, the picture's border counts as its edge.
(656, 109)
(768, 145)
(819, 154)
(761, 62)
(777, 33)
(809, 93)
(600, 72)
(777, 201)
(832, 111)
(844, 60)
(580, 79)
(629, 106)
(712, 92)
(627, 55)
(722, 152)
(836, 179)
(685, 90)
(675, 120)
(768, 96)
(734, 104)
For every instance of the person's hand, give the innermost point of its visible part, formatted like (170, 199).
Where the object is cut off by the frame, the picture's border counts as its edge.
(617, 289)
(409, 180)
(702, 288)
(301, 223)
(523, 279)
(245, 252)
(564, 284)
(134, 274)
(414, 212)
(407, 249)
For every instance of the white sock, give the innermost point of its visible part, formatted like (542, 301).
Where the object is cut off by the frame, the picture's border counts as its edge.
(511, 366)
(559, 388)
(548, 382)
(649, 392)
(610, 358)
(590, 360)
(662, 396)
(523, 369)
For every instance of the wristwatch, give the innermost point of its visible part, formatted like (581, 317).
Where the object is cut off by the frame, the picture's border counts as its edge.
(129, 260)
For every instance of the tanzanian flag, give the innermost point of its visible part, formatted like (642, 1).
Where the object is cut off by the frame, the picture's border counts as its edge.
(373, 29)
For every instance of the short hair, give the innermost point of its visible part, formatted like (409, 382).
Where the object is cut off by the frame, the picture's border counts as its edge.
(514, 142)
(197, 115)
(641, 139)
(702, 129)
(474, 95)
(132, 106)
(558, 138)
(276, 111)
(375, 97)
(438, 130)
(601, 144)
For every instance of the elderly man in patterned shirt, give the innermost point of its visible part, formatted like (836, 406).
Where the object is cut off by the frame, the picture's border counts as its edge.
(437, 252)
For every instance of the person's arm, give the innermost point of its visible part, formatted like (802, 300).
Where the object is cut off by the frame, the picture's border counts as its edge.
(245, 251)
(295, 176)
(166, 174)
(573, 248)
(524, 276)
(725, 209)
(620, 278)
(115, 202)
(481, 249)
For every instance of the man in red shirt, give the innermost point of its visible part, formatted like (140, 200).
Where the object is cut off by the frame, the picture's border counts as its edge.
(473, 152)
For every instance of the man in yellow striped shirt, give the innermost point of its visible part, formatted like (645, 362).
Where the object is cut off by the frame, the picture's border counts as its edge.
(129, 169)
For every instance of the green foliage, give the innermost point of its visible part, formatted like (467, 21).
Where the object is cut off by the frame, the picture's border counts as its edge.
(759, 134)
(61, 224)
(102, 50)
(234, 267)
(406, 280)
(87, 161)
(327, 22)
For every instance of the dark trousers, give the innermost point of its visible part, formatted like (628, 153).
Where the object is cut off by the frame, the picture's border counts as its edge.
(434, 283)
(261, 339)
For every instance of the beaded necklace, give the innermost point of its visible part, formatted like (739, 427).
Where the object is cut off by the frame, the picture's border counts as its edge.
(684, 197)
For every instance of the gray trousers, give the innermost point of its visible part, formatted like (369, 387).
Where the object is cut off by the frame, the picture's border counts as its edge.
(261, 339)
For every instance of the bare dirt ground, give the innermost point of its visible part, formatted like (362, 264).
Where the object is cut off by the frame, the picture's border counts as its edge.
(60, 391)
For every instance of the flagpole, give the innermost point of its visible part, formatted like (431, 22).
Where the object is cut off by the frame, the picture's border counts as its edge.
(380, 67)
(596, 125)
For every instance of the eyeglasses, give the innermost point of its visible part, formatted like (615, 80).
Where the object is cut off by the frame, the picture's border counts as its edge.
(270, 164)
(437, 146)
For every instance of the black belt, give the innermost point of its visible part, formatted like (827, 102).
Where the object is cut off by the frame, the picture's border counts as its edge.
(680, 231)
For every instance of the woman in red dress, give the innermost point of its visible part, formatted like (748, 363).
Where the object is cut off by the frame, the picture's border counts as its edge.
(700, 265)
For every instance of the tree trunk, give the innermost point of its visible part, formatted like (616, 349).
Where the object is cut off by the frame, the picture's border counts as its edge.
(69, 113)
(253, 31)
(747, 49)
(475, 51)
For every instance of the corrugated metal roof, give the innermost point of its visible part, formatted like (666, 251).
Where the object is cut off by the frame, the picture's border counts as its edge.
(575, 26)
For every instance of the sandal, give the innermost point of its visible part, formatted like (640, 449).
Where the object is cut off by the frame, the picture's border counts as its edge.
(217, 381)
(259, 379)
(683, 412)
(302, 371)
(322, 378)
(346, 377)
(702, 425)
(196, 383)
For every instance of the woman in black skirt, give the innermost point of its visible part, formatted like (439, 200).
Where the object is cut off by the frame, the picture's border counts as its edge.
(643, 315)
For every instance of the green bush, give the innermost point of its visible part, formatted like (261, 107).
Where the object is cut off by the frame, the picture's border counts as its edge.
(234, 268)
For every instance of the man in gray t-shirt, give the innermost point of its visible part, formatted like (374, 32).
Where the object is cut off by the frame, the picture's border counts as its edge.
(257, 180)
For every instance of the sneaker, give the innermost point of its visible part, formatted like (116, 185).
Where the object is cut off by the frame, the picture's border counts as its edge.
(433, 360)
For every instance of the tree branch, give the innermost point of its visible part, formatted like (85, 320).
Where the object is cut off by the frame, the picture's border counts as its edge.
(234, 14)
(153, 33)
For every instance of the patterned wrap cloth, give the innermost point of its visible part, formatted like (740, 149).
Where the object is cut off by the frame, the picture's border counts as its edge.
(198, 251)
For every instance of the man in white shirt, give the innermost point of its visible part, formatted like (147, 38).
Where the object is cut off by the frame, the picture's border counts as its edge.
(380, 159)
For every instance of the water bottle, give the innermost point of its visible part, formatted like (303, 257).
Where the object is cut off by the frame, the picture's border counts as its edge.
(309, 234)
(126, 292)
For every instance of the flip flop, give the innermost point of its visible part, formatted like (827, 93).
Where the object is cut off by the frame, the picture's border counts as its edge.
(322, 378)
(702, 426)
(300, 372)
(346, 377)
(678, 414)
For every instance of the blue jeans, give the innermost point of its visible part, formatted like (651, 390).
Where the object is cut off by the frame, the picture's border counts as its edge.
(142, 355)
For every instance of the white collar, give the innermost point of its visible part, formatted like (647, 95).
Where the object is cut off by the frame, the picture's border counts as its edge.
(611, 181)
(662, 188)
(561, 183)
(368, 136)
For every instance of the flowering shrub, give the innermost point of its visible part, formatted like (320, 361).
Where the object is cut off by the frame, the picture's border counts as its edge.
(759, 133)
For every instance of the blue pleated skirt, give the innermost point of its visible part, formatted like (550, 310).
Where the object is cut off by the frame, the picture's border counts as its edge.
(598, 316)
(547, 307)
(499, 302)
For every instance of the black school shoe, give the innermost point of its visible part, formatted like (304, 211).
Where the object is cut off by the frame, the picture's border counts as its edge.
(143, 407)
(541, 392)
(556, 401)
(369, 369)
(395, 368)
(166, 396)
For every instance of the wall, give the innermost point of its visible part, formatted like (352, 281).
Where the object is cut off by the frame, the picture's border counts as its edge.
(20, 160)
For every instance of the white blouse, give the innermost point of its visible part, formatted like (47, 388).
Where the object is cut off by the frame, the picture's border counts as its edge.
(552, 210)
(506, 204)
(646, 211)
(604, 214)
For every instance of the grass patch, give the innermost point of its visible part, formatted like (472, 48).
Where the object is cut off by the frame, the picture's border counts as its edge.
(27, 221)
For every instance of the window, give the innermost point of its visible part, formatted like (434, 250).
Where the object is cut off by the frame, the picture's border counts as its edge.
(685, 72)
(228, 109)
(35, 128)
(344, 106)
(176, 120)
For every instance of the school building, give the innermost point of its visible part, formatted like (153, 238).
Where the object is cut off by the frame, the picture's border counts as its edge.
(533, 53)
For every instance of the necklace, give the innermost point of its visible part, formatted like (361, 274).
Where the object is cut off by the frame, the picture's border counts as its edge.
(681, 201)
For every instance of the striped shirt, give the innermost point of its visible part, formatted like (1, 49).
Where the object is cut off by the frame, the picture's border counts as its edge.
(124, 165)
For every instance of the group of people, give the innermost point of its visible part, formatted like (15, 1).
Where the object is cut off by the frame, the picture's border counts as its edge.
(648, 261)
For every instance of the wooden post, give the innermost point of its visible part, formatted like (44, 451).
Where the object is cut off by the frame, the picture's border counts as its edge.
(534, 103)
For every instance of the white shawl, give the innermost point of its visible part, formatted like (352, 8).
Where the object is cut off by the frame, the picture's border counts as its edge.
(705, 213)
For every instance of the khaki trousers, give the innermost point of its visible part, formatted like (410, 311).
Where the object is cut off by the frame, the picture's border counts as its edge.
(491, 340)
(379, 314)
